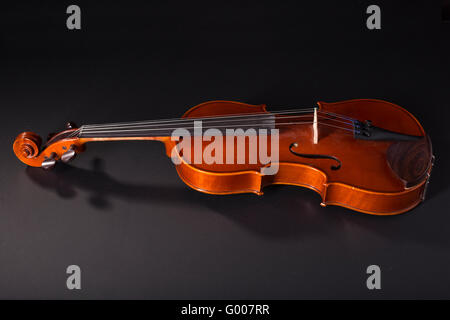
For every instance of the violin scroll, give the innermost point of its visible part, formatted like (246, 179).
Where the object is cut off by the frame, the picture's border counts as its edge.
(27, 145)
(61, 146)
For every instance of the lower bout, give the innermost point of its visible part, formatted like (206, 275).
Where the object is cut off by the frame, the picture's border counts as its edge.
(376, 203)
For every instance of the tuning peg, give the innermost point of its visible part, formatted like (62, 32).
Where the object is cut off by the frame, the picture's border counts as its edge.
(69, 154)
(49, 162)
(71, 125)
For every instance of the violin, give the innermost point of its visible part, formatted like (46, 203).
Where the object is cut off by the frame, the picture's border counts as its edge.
(366, 155)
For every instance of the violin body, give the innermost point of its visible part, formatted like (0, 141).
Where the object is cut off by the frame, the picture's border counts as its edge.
(366, 182)
(382, 176)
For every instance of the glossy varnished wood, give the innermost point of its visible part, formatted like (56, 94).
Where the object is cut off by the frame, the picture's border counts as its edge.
(377, 177)
(365, 182)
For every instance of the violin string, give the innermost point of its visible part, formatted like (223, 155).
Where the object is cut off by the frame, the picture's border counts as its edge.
(79, 132)
(208, 122)
(212, 118)
(193, 127)
(172, 120)
(264, 116)
(239, 117)
(341, 116)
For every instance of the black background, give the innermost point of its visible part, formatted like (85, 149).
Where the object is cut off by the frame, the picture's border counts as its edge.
(120, 212)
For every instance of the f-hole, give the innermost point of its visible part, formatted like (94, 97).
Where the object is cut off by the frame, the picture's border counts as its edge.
(316, 156)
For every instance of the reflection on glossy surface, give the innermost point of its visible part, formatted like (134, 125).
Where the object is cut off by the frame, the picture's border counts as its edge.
(283, 212)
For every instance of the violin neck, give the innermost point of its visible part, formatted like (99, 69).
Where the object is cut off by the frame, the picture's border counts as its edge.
(125, 133)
